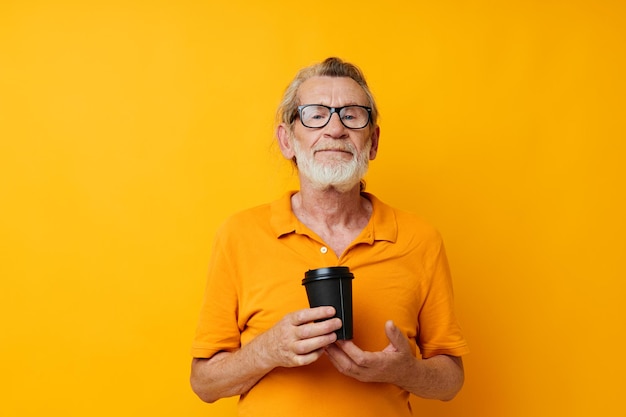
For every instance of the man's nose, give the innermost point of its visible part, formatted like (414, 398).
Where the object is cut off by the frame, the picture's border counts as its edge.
(335, 127)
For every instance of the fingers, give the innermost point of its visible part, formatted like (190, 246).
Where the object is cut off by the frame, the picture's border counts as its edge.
(380, 366)
(311, 335)
(307, 351)
(350, 360)
(311, 314)
(398, 342)
(313, 322)
(300, 337)
(337, 357)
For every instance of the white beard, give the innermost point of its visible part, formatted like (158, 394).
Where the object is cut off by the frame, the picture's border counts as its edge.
(338, 174)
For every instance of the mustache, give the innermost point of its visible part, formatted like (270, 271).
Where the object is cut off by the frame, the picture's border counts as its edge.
(344, 147)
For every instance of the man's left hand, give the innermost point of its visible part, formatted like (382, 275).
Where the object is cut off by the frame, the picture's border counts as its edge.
(389, 365)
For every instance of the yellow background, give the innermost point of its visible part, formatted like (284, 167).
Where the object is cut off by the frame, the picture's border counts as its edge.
(130, 129)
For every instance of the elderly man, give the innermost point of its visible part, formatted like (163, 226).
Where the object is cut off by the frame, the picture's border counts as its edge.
(256, 337)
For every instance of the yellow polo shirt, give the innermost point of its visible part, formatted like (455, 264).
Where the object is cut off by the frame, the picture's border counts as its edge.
(255, 277)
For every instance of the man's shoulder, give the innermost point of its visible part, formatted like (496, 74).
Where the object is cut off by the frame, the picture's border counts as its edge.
(250, 214)
(407, 221)
(253, 217)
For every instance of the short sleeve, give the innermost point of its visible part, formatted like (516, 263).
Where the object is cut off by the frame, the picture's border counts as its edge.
(439, 330)
(217, 325)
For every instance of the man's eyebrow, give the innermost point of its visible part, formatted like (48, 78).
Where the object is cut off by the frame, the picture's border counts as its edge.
(348, 103)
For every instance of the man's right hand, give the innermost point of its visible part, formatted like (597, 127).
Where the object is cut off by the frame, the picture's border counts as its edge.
(297, 339)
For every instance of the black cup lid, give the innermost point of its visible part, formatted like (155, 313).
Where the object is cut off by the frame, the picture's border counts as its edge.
(327, 273)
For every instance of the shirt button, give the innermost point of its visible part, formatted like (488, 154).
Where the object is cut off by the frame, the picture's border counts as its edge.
(324, 249)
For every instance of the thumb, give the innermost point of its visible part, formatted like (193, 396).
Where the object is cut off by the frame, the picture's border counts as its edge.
(398, 342)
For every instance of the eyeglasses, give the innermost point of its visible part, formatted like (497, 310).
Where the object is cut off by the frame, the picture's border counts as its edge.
(318, 115)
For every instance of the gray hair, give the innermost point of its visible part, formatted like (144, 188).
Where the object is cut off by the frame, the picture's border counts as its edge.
(331, 67)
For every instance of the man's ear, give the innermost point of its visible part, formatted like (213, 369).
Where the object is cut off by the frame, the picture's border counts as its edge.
(283, 136)
(374, 138)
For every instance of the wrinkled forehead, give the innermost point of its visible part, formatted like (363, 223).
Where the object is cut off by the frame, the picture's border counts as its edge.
(332, 91)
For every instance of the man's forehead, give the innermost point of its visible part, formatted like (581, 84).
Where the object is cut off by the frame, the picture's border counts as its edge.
(332, 88)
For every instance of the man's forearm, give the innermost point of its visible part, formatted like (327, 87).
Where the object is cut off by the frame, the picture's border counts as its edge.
(226, 374)
(297, 340)
(232, 373)
(440, 377)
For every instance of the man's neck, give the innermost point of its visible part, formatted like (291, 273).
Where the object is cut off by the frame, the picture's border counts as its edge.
(331, 208)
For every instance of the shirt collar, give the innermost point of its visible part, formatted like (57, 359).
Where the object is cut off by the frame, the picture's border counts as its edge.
(382, 224)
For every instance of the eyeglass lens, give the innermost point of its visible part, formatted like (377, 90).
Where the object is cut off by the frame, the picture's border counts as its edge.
(353, 117)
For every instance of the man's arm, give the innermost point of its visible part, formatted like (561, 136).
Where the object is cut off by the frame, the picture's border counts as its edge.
(440, 377)
(294, 341)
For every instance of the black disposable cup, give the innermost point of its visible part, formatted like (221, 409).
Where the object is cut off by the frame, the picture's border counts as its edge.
(332, 286)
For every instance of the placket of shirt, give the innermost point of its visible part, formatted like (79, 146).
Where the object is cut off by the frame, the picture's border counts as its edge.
(325, 253)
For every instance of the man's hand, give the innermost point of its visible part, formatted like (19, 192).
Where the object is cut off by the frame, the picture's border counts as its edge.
(297, 340)
(439, 377)
(386, 366)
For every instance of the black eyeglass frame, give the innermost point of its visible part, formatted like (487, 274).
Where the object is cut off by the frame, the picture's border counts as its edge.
(335, 110)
